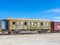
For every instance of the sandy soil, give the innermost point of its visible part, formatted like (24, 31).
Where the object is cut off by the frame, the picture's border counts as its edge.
(31, 39)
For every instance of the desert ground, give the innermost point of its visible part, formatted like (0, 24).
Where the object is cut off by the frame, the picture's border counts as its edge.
(31, 39)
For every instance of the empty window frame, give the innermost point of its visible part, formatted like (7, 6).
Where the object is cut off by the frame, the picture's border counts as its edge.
(21, 23)
(41, 23)
(14, 23)
(46, 23)
(35, 23)
(25, 23)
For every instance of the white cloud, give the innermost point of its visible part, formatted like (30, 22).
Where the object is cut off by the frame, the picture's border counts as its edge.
(52, 11)
(57, 19)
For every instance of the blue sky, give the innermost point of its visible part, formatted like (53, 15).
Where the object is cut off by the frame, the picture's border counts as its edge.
(42, 9)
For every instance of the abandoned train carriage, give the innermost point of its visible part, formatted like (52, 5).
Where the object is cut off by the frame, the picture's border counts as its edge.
(55, 26)
(15, 24)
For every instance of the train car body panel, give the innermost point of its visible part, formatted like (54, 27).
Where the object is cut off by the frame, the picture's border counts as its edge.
(27, 24)
(57, 26)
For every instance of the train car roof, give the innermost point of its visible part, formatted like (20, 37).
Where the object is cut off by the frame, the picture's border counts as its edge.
(25, 19)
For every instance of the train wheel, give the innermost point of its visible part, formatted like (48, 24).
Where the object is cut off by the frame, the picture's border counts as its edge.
(52, 31)
(9, 33)
(39, 31)
(14, 32)
(44, 31)
(17, 32)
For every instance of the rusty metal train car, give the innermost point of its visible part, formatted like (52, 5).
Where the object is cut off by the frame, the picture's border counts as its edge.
(55, 26)
(15, 25)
